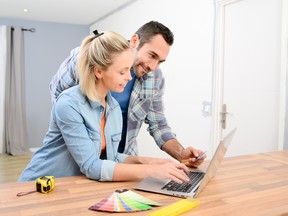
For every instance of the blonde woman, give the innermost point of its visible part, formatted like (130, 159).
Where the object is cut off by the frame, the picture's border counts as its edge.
(86, 122)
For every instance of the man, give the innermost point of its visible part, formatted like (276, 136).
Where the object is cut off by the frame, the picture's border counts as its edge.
(141, 101)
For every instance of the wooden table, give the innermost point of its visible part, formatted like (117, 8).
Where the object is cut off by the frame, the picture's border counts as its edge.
(245, 185)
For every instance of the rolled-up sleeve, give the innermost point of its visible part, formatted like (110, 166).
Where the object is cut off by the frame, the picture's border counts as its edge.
(108, 167)
(107, 170)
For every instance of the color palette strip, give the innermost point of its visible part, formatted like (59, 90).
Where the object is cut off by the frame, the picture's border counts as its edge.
(124, 201)
(132, 195)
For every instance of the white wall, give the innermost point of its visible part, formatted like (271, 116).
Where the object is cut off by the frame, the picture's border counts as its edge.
(188, 69)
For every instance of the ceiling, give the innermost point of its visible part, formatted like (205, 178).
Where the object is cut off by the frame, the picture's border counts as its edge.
(83, 12)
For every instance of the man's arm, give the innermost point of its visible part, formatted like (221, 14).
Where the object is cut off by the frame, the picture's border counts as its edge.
(65, 76)
(173, 148)
(161, 131)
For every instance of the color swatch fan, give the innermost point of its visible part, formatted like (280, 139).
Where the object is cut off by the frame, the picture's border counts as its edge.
(124, 201)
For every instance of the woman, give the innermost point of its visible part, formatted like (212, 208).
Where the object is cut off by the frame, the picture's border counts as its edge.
(86, 122)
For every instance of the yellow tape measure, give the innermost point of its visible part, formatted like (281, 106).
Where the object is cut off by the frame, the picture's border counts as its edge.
(45, 184)
(176, 208)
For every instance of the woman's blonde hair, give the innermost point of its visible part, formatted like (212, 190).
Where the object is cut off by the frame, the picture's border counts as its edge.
(97, 50)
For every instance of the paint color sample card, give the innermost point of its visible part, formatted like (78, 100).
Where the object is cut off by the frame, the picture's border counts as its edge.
(132, 195)
(124, 201)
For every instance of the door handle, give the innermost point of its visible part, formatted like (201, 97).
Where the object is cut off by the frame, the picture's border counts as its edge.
(224, 116)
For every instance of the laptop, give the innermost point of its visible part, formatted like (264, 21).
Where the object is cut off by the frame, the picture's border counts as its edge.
(198, 178)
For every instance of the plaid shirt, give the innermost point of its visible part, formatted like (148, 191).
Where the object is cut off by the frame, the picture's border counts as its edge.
(145, 105)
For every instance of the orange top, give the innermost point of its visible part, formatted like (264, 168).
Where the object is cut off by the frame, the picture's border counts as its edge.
(102, 126)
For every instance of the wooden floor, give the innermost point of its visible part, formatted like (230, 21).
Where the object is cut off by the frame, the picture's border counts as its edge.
(12, 166)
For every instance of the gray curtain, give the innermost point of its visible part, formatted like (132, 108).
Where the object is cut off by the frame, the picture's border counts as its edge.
(15, 128)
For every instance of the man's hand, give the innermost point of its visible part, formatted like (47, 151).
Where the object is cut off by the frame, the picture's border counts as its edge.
(184, 155)
(189, 155)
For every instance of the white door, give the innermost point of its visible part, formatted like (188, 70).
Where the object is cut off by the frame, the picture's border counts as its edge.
(247, 75)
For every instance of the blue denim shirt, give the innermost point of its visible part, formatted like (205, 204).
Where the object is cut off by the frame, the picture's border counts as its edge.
(72, 145)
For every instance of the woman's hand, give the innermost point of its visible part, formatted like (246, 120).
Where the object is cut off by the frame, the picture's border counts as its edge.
(170, 170)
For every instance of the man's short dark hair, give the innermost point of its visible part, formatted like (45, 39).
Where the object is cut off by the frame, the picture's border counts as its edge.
(151, 29)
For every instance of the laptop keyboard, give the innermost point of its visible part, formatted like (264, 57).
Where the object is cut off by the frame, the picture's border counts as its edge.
(184, 187)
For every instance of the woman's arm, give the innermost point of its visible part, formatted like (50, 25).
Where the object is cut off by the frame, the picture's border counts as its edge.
(135, 167)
